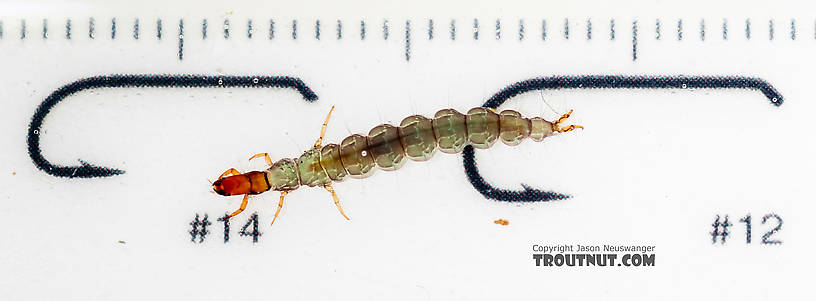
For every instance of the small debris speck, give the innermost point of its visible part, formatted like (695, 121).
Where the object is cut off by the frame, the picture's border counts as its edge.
(122, 242)
(502, 222)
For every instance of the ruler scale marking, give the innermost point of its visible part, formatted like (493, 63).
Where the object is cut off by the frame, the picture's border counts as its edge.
(634, 40)
(430, 29)
(747, 29)
(226, 29)
(91, 28)
(611, 29)
(407, 40)
(181, 40)
(135, 29)
(339, 29)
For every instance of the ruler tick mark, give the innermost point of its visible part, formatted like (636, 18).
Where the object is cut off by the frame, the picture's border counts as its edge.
(385, 29)
(271, 29)
(634, 39)
(680, 29)
(521, 29)
(430, 29)
(91, 27)
(657, 29)
(181, 40)
(362, 30)
(407, 40)
(294, 29)
(702, 29)
(68, 29)
(611, 29)
(45, 29)
(793, 29)
(226, 29)
(159, 29)
(475, 29)
(453, 30)
(317, 30)
(770, 30)
(747, 29)
(566, 29)
(543, 29)
(498, 29)
(135, 29)
(249, 29)
(22, 29)
(589, 29)
(725, 29)
(113, 28)
(339, 29)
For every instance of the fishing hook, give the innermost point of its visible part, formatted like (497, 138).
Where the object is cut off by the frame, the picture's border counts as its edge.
(531, 194)
(86, 170)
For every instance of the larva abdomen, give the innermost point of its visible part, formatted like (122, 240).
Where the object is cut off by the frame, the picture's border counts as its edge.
(417, 138)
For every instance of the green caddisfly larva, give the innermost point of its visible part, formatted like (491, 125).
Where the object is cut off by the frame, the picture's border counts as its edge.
(387, 147)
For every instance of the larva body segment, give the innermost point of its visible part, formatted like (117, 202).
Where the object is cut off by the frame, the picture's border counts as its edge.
(311, 172)
(355, 157)
(450, 131)
(482, 127)
(283, 175)
(330, 161)
(512, 127)
(387, 146)
(540, 129)
(417, 137)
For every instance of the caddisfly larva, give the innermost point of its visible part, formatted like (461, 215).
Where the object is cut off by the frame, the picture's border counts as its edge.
(387, 147)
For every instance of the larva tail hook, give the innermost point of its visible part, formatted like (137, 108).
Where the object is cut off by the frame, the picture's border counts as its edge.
(86, 170)
(530, 194)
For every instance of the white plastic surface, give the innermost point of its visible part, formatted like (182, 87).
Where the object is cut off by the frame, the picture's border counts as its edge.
(653, 167)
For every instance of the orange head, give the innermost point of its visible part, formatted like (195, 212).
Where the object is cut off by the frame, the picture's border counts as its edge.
(232, 185)
(253, 182)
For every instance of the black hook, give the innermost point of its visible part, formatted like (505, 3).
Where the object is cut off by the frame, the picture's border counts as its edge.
(530, 194)
(121, 81)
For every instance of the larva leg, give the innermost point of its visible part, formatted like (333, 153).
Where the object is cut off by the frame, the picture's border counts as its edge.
(280, 205)
(243, 206)
(319, 141)
(265, 156)
(329, 188)
(230, 171)
(557, 124)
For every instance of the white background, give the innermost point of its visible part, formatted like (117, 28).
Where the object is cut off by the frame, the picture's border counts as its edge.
(652, 167)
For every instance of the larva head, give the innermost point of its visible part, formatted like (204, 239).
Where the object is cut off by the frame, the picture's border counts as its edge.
(232, 185)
